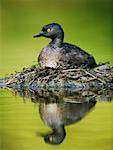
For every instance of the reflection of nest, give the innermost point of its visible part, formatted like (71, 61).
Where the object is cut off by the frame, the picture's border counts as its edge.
(64, 95)
(34, 78)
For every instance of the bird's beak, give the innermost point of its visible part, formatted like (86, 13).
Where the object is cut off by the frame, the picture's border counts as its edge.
(38, 35)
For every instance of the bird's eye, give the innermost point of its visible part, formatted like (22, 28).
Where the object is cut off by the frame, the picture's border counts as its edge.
(48, 30)
(51, 139)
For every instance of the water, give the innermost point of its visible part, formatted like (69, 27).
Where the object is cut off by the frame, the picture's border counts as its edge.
(24, 122)
(44, 119)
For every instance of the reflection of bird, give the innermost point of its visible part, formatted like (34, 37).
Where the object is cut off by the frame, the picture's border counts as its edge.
(58, 54)
(50, 114)
(58, 115)
(57, 136)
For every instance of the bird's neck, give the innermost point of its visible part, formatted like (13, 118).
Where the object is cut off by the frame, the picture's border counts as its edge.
(57, 42)
(59, 130)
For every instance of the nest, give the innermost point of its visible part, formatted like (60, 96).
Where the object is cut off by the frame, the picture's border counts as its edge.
(80, 79)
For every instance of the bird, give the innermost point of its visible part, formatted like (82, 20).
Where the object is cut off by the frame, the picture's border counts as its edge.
(58, 54)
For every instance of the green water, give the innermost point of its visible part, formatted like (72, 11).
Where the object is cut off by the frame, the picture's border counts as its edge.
(21, 126)
(87, 24)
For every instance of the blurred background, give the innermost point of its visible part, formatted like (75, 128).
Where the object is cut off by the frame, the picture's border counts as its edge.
(87, 24)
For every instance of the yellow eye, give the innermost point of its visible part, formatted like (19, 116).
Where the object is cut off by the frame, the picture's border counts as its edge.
(51, 139)
(48, 30)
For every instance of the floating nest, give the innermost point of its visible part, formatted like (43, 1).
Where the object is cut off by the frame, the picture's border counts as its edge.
(78, 79)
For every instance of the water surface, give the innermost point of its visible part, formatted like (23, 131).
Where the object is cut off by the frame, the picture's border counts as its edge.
(44, 119)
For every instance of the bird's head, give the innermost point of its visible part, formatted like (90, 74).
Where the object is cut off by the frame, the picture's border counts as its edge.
(52, 31)
(57, 136)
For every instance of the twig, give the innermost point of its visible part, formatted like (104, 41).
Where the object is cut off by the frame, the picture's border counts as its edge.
(10, 81)
(94, 77)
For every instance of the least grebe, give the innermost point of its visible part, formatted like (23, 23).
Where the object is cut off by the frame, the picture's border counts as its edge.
(58, 54)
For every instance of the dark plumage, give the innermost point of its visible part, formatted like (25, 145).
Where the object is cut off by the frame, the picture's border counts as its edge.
(58, 54)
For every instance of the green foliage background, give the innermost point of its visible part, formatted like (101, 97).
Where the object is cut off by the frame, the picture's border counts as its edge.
(87, 24)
